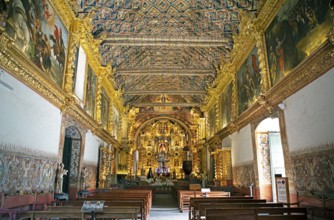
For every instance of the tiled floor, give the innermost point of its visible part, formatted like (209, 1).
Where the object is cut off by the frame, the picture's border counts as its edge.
(164, 207)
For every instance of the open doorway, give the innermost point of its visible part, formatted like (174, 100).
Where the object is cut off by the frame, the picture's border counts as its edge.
(71, 159)
(270, 157)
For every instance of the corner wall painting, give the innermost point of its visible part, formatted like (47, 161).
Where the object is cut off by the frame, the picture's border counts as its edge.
(226, 105)
(40, 34)
(105, 103)
(249, 80)
(91, 81)
(298, 29)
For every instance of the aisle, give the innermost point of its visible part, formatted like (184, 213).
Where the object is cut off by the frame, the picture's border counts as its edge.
(164, 207)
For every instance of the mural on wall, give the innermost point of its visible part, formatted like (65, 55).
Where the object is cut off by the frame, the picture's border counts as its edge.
(226, 105)
(249, 79)
(115, 121)
(297, 30)
(105, 103)
(20, 171)
(90, 91)
(40, 34)
(263, 152)
(243, 175)
(313, 171)
(90, 179)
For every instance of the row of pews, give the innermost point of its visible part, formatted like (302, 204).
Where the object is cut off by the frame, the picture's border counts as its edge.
(242, 208)
(118, 204)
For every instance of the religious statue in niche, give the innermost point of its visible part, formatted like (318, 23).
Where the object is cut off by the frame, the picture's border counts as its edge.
(61, 171)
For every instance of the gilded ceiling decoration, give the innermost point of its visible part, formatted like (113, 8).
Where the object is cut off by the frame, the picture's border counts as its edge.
(164, 47)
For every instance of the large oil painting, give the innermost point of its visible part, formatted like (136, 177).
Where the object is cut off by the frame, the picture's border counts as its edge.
(105, 102)
(115, 121)
(298, 29)
(249, 80)
(226, 105)
(211, 122)
(39, 33)
(91, 81)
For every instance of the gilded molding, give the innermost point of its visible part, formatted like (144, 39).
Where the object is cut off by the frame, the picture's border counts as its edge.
(14, 62)
(312, 68)
(64, 12)
(267, 13)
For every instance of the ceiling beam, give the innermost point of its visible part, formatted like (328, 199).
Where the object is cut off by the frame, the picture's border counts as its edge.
(178, 72)
(165, 92)
(170, 42)
(170, 104)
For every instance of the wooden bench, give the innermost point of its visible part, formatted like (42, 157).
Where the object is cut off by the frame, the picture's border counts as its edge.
(75, 213)
(196, 203)
(13, 204)
(113, 204)
(117, 196)
(184, 196)
(251, 213)
(203, 207)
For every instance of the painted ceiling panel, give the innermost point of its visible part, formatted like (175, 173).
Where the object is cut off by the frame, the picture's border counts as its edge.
(164, 46)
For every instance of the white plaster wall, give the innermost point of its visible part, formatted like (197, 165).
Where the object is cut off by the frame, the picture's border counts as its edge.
(309, 114)
(26, 119)
(242, 149)
(92, 144)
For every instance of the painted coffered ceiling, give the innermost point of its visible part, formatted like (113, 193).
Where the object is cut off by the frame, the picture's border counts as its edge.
(164, 52)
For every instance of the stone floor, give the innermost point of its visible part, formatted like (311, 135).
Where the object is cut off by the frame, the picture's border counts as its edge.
(164, 207)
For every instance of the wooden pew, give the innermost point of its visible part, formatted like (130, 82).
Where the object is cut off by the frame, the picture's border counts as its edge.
(75, 213)
(143, 196)
(196, 203)
(13, 204)
(113, 204)
(251, 213)
(203, 207)
(185, 195)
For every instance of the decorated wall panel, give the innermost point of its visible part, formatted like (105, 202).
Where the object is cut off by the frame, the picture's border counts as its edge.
(297, 30)
(40, 34)
(313, 169)
(226, 105)
(90, 179)
(26, 170)
(91, 81)
(249, 79)
(243, 175)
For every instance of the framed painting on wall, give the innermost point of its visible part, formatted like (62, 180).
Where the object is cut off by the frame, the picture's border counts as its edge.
(226, 105)
(40, 34)
(115, 121)
(91, 81)
(297, 30)
(105, 103)
(249, 80)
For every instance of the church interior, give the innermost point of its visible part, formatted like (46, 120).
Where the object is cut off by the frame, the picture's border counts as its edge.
(164, 96)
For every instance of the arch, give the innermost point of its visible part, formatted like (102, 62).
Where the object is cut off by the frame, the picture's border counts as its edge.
(71, 158)
(270, 157)
(162, 118)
